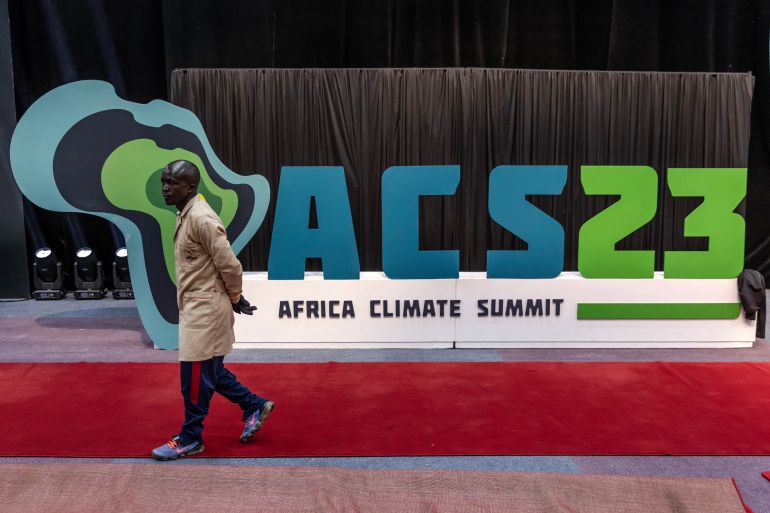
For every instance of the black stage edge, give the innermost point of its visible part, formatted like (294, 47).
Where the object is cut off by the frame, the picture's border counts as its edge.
(13, 247)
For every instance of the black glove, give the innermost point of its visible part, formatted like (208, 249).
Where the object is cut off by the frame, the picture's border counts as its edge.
(243, 306)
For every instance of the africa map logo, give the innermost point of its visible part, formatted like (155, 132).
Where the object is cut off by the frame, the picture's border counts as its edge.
(81, 148)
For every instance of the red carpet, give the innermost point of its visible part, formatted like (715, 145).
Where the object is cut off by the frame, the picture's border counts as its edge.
(389, 409)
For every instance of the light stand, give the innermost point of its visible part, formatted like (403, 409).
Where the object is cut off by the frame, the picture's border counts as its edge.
(47, 275)
(121, 277)
(89, 279)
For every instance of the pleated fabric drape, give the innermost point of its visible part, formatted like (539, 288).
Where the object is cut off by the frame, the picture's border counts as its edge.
(369, 119)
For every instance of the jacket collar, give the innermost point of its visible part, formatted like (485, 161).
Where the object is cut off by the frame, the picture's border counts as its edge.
(188, 206)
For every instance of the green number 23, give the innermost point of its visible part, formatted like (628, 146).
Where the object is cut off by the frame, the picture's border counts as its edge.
(722, 189)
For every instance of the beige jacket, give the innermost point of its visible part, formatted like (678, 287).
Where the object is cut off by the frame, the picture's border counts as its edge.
(208, 281)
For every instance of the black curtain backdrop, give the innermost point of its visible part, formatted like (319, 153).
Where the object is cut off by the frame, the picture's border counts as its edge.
(368, 120)
(137, 44)
(13, 252)
(651, 35)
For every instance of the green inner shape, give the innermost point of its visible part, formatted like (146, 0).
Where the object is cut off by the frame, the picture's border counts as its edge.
(131, 181)
(658, 310)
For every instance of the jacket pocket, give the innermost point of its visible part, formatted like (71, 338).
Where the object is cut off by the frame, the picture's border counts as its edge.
(198, 309)
(190, 254)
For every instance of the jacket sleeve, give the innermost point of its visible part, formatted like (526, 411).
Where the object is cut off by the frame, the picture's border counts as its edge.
(213, 237)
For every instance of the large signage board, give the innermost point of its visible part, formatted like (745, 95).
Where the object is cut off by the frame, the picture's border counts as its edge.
(81, 148)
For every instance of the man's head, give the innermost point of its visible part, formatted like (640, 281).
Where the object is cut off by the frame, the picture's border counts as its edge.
(179, 182)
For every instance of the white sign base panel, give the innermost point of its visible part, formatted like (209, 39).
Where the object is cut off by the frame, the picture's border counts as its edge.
(476, 312)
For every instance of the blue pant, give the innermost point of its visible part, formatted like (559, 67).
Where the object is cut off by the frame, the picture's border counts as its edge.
(199, 382)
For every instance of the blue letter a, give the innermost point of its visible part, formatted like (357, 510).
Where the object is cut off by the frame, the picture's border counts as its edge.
(334, 241)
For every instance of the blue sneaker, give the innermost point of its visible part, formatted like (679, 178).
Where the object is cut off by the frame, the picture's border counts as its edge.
(173, 450)
(255, 420)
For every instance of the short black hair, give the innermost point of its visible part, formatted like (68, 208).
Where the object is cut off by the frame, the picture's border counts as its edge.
(186, 170)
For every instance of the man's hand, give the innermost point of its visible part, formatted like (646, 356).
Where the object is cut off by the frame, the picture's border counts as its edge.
(243, 306)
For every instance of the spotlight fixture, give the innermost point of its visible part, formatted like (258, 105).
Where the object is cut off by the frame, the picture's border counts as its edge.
(89, 279)
(47, 275)
(121, 277)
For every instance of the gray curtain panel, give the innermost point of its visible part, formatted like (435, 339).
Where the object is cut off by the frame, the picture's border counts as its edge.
(367, 120)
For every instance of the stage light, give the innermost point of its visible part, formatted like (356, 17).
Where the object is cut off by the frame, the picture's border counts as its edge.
(46, 264)
(89, 280)
(47, 275)
(121, 277)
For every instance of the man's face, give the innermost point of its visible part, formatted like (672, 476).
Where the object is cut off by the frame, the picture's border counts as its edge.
(175, 189)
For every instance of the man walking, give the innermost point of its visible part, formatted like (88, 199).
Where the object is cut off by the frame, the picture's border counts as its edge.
(208, 280)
